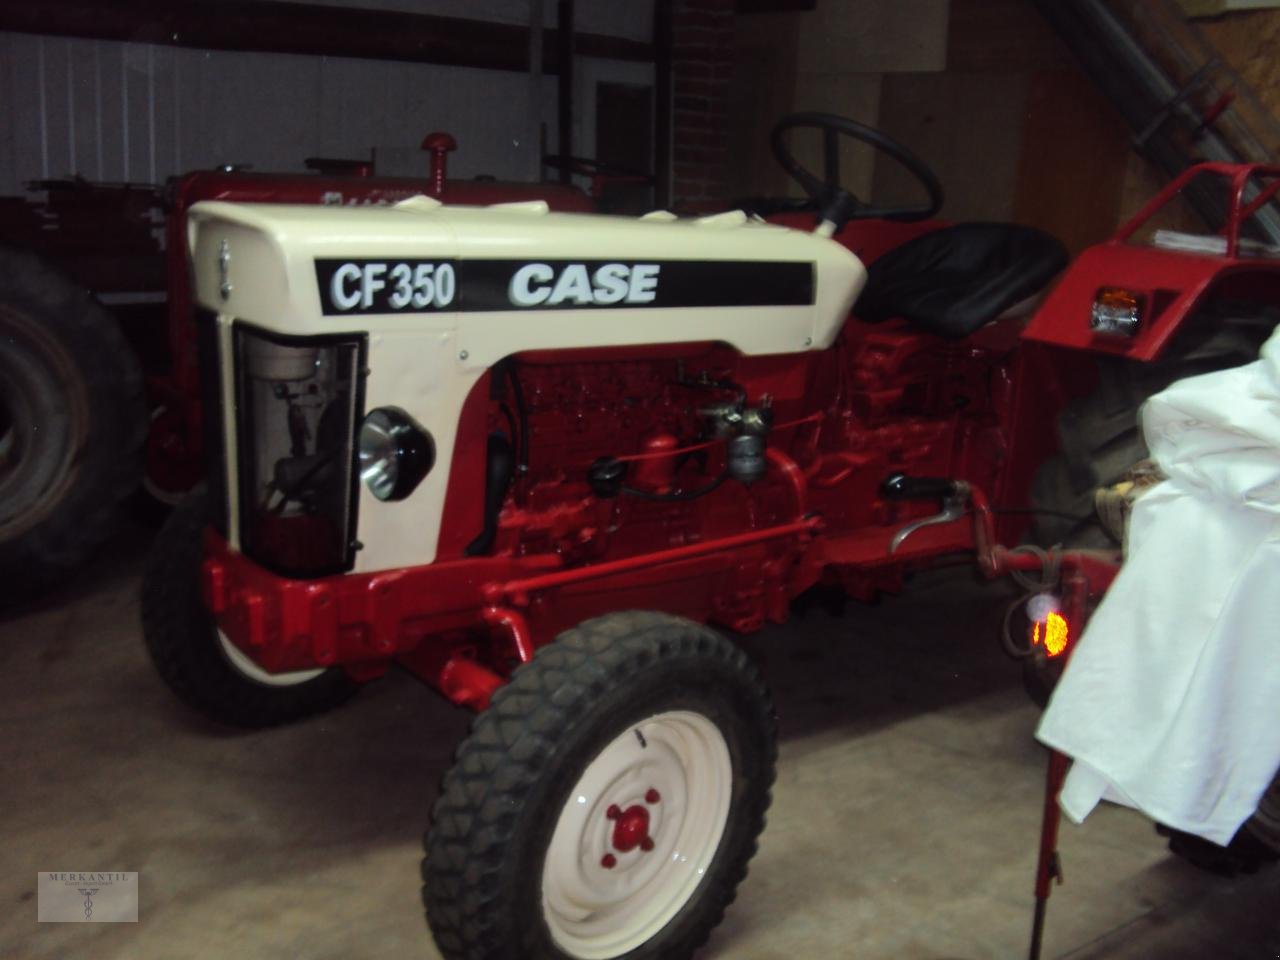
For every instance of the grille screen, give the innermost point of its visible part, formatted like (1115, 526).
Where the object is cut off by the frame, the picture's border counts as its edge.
(297, 404)
(213, 441)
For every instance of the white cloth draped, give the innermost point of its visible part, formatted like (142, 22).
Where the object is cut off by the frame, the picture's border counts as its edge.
(1171, 700)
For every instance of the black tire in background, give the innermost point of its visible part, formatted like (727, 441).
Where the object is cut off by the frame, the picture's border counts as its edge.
(184, 645)
(1099, 434)
(514, 776)
(72, 423)
(1256, 843)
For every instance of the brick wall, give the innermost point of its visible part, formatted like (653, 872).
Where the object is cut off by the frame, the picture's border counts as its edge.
(701, 63)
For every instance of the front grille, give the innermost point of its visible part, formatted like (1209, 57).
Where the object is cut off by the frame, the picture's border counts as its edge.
(298, 400)
(212, 418)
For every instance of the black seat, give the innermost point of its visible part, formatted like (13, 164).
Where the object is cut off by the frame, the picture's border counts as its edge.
(953, 280)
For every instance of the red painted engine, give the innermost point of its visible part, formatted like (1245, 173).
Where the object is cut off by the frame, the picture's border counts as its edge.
(617, 454)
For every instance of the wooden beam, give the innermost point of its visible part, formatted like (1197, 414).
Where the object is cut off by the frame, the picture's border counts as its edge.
(775, 6)
(564, 86)
(662, 41)
(305, 28)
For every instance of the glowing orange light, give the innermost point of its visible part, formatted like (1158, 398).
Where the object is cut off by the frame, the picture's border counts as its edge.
(1055, 634)
(1118, 298)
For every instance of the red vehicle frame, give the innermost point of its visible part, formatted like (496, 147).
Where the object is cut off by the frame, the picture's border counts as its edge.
(462, 622)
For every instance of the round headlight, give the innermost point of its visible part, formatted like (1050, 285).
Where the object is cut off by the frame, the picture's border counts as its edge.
(395, 453)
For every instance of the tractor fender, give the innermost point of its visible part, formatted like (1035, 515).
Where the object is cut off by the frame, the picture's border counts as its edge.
(1172, 285)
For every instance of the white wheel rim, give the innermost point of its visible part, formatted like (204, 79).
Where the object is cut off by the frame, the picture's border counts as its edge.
(637, 834)
(241, 662)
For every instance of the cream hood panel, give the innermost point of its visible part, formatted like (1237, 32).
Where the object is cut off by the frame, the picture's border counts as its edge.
(267, 255)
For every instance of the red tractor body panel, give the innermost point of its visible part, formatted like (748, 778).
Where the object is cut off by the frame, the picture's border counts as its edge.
(1171, 283)
(728, 558)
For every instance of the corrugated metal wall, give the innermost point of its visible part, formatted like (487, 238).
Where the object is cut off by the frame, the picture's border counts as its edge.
(114, 111)
(617, 18)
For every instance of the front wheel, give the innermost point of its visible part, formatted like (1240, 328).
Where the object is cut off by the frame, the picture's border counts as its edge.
(196, 660)
(607, 802)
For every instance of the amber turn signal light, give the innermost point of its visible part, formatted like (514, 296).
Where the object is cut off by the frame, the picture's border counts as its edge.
(1116, 311)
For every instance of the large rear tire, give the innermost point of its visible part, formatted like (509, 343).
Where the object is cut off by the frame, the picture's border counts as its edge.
(607, 802)
(1099, 435)
(206, 671)
(72, 423)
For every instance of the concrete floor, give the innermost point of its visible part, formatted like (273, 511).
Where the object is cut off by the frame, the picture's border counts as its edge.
(904, 822)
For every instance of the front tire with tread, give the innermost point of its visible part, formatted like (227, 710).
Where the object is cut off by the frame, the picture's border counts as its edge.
(499, 804)
(183, 642)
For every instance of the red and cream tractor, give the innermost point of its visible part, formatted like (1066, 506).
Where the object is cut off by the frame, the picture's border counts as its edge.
(550, 462)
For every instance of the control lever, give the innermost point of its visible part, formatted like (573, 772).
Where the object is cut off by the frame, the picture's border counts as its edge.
(954, 495)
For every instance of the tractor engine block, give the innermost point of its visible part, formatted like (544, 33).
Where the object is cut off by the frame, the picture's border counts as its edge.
(641, 416)
(620, 456)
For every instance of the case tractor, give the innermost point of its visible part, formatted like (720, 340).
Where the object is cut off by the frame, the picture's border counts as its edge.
(548, 462)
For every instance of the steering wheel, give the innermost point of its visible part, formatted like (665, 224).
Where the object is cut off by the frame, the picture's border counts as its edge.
(834, 201)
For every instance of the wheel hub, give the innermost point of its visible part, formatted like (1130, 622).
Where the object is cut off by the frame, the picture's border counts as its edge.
(636, 835)
(630, 828)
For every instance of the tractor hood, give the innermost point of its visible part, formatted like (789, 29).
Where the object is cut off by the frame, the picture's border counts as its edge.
(503, 279)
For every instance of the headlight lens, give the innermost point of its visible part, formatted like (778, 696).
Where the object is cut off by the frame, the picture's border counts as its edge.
(395, 453)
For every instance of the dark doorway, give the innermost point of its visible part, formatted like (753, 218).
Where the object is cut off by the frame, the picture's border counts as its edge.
(624, 143)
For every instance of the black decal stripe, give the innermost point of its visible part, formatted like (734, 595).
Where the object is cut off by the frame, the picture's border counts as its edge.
(483, 285)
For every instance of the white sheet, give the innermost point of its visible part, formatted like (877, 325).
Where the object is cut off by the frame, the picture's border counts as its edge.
(1171, 700)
